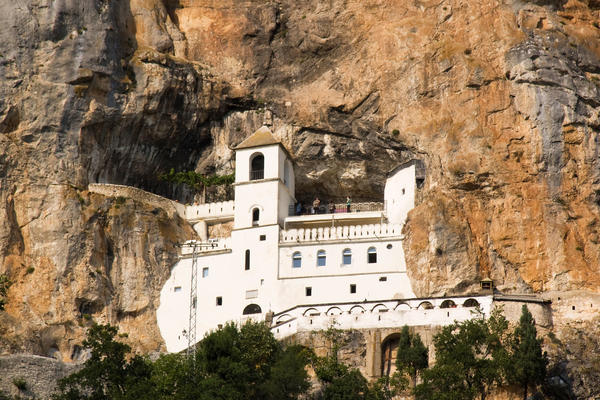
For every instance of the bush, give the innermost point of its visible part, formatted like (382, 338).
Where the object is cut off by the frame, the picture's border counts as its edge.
(20, 383)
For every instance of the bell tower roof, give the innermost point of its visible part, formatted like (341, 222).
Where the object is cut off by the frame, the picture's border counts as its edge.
(262, 137)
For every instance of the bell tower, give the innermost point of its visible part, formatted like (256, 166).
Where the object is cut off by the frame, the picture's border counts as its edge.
(264, 181)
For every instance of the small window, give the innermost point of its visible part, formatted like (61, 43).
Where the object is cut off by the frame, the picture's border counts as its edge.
(219, 301)
(321, 258)
(177, 289)
(263, 237)
(204, 272)
(383, 279)
(352, 288)
(255, 216)
(297, 260)
(389, 246)
(347, 257)
(308, 291)
(403, 191)
(251, 294)
(372, 255)
(247, 260)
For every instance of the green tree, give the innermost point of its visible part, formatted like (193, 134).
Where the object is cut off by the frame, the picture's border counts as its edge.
(197, 181)
(527, 361)
(107, 374)
(249, 363)
(4, 285)
(470, 358)
(413, 356)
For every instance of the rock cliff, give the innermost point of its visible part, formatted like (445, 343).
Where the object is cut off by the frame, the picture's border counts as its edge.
(499, 99)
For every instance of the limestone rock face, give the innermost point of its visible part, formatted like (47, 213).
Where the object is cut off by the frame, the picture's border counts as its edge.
(500, 100)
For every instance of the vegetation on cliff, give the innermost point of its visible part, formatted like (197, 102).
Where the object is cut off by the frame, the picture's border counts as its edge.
(4, 285)
(472, 358)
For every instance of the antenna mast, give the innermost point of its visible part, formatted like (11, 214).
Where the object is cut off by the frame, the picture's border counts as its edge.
(191, 349)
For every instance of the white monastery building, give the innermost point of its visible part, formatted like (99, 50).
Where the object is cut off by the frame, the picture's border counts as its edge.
(336, 266)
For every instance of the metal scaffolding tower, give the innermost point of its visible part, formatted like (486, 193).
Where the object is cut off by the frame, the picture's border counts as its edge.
(191, 350)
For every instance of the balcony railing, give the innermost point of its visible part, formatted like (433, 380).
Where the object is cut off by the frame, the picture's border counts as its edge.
(257, 174)
(336, 208)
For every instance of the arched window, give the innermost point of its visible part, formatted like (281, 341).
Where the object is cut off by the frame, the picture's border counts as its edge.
(296, 260)
(252, 309)
(372, 255)
(321, 258)
(247, 260)
(471, 303)
(255, 216)
(347, 257)
(257, 167)
(448, 304)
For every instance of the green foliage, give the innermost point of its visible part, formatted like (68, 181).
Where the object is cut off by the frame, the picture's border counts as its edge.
(527, 362)
(107, 374)
(20, 383)
(4, 285)
(413, 356)
(340, 382)
(230, 363)
(470, 358)
(195, 180)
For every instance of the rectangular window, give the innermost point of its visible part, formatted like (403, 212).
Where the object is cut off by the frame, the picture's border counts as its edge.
(204, 272)
(263, 237)
(308, 291)
(353, 288)
(219, 301)
(177, 289)
(372, 258)
(247, 260)
(383, 279)
(251, 294)
(321, 258)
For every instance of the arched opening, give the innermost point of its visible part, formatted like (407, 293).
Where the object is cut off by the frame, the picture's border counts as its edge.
(379, 308)
(471, 303)
(389, 351)
(402, 307)
(311, 312)
(296, 260)
(448, 304)
(372, 255)
(321, 258)
(357, 310)
(347, 257)
(334, 311)
(252, 309)
(425, 306)
(255, 216)
(283, 318)
(257, 167)
(247, 260)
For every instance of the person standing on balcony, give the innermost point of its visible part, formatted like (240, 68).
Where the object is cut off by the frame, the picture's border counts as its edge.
(316, 205)
(331, 207)
(348, 201)
(298, 208)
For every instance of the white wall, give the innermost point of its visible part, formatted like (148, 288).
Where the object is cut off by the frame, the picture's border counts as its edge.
(388, 260)
(399, 203)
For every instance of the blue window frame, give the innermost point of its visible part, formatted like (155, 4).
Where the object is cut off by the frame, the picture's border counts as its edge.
(347, 257)
(321, 258)
(297, 260)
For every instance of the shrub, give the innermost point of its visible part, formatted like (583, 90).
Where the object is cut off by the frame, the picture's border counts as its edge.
(20, 383)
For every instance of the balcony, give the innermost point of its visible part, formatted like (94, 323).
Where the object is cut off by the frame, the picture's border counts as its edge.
(336, 208)
(257, 174)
